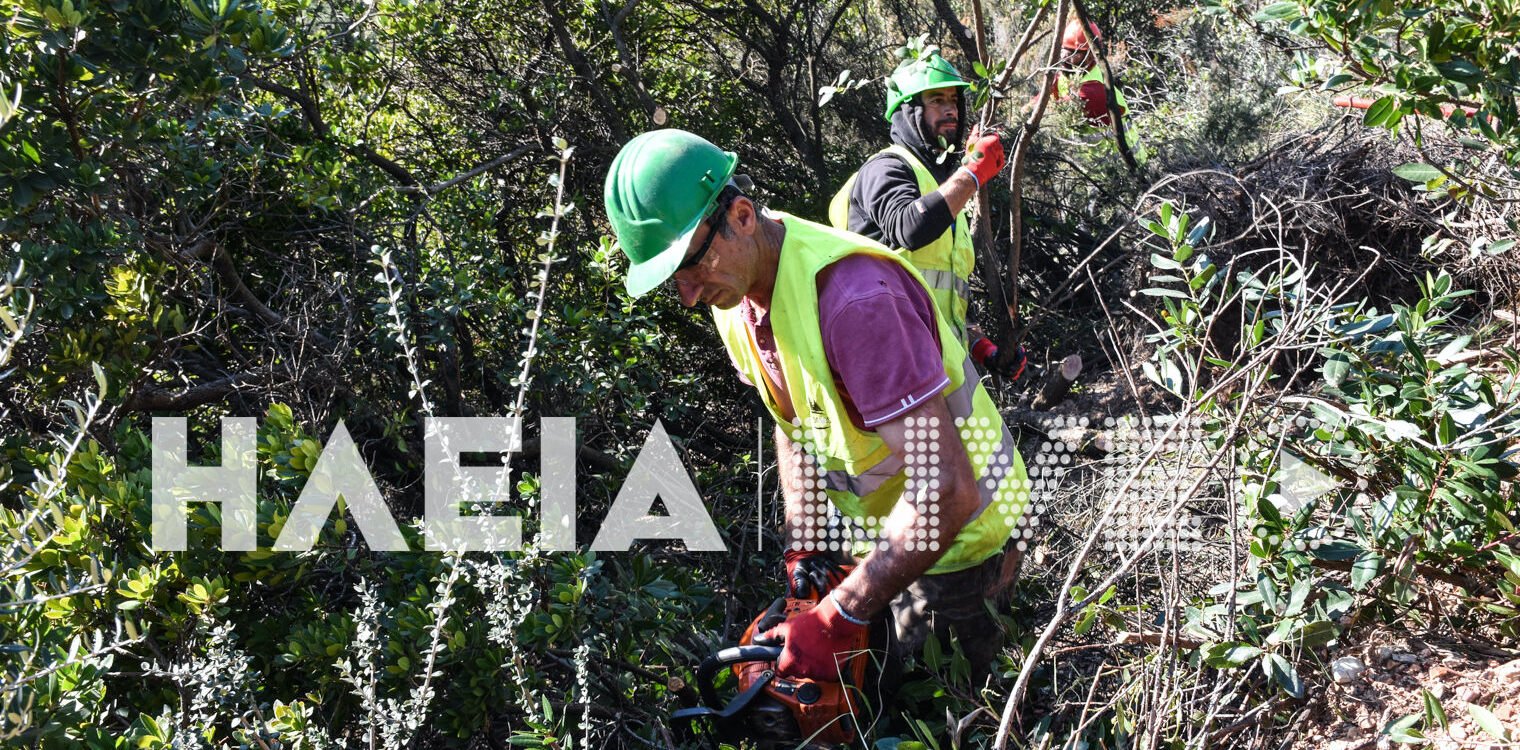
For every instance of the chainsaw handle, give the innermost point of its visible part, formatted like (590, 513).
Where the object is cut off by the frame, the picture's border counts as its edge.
(726, 658)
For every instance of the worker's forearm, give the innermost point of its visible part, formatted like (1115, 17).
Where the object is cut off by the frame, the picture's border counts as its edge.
(893, 565)
(957, 191)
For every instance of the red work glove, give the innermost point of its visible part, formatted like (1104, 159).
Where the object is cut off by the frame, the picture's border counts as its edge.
(811, 640)
(810, 575)
(993, 359)
(984, 155)
(1094, 96)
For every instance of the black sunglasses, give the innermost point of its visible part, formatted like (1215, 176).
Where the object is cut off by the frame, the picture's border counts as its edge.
(717, 227)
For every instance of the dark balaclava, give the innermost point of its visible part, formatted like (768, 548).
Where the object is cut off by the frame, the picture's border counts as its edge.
(910, 131)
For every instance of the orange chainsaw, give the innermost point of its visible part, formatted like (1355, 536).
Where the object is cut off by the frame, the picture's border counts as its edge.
(773, 711)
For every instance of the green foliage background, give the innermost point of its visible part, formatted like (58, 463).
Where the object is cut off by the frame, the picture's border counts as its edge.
(321, 210)
(313, 211)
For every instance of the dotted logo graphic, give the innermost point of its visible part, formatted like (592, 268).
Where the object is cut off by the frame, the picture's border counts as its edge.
(1147, 491)
(1163, 480)
(1001, 484)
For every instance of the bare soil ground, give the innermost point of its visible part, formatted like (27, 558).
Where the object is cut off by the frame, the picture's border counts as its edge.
(1399, 668)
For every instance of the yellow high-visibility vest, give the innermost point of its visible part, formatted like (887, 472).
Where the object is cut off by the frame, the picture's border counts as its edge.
(860, 474)
(945, 263)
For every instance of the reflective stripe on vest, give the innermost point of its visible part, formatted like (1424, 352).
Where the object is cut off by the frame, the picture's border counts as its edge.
(946, 280)
(946, 263)
(859, 473)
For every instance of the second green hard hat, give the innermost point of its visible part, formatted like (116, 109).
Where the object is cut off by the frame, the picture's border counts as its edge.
(914, 77)
(662, 184)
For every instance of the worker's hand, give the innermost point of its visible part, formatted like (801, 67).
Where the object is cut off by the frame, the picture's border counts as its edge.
(810, 575)
(1007, 363)
(984, 155)
(810, 642)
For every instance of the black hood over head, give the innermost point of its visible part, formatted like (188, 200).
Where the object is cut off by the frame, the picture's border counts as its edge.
(908, 130)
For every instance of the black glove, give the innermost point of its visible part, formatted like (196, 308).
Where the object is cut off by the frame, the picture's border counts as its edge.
(1008, 362)
(810, 575)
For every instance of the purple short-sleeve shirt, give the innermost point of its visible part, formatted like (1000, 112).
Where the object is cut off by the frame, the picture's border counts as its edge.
(879, 336)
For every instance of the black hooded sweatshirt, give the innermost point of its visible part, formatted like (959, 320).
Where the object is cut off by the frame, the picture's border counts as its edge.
(885, 203)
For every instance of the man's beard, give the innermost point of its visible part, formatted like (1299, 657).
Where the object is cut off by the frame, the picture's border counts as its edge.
(945, 135)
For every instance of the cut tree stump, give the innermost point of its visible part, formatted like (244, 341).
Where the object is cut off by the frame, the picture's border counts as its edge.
(1058, 382)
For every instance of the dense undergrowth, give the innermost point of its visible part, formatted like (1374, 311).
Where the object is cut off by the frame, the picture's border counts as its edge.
(377, 213)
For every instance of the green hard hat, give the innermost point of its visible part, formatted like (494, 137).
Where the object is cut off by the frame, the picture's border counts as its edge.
(662, 184)
(914, 77)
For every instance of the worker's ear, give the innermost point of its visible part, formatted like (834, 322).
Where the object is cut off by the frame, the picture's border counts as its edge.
(743, 217)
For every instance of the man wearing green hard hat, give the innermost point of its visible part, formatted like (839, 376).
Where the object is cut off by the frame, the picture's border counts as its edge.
(841, 339)
(914, 197)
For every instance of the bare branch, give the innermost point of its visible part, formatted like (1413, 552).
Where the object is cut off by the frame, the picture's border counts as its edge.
(313, 115)
(615, 21)
(225, 268)
(611, 112)
(156, 398)
(971, 48)
(498, 162)
(1016, 191)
